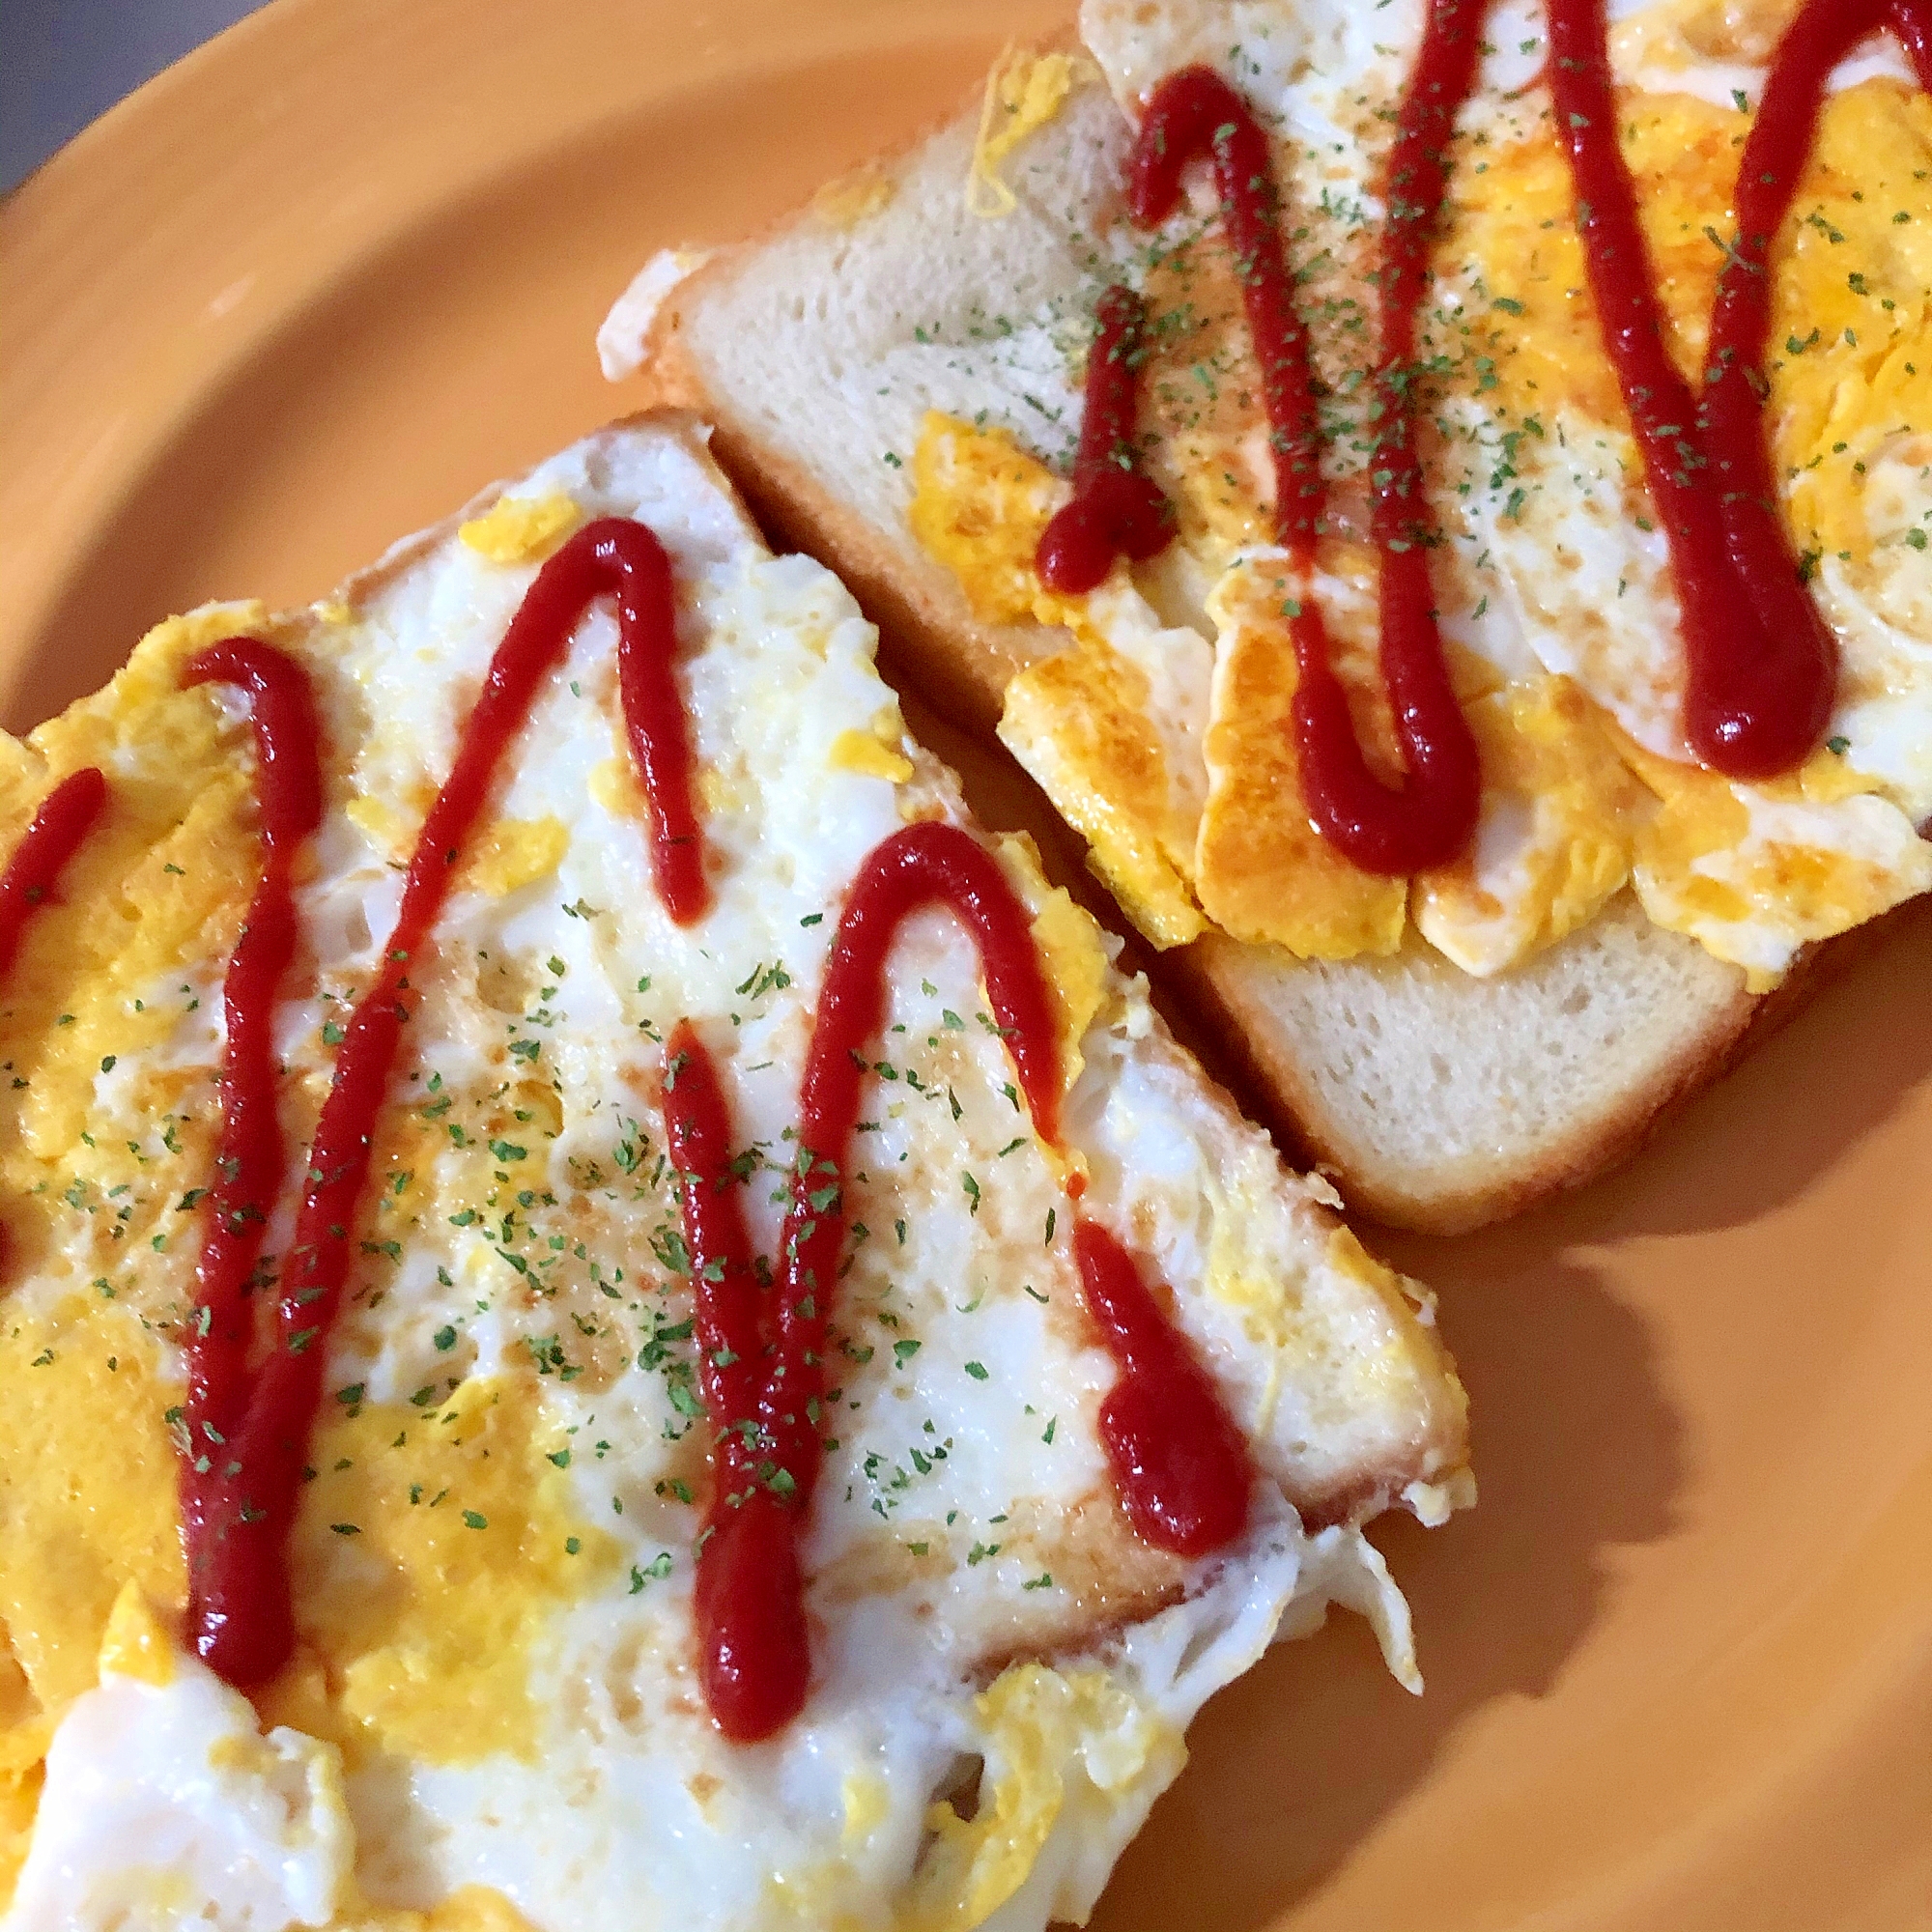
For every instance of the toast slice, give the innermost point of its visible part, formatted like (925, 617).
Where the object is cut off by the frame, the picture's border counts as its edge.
(492, 1705)
(1438, 1100)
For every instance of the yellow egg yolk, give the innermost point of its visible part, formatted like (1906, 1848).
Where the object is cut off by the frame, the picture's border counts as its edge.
(1072, 959)
(510, 853)
(1024, 92)
(517, 529)
(433, 1547)
(874, 753)
(87, 1510)
(1054, 1740)
(1852, 325)
(979, 505)
(1263, 870)
(503, 857)
(1560, 816)
(167, 871)
(1712, 850)
(136, 1642)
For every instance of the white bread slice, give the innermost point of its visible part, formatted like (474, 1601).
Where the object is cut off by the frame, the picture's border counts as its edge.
(1440, 1101)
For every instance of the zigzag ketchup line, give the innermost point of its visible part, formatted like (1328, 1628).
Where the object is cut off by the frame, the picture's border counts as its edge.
(65, 816)
(1762, 661)
(1180, 1466)
(250, 1158)
(1195, 113)
(240, 1614)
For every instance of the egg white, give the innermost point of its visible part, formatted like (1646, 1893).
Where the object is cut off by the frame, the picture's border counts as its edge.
(165, 1807)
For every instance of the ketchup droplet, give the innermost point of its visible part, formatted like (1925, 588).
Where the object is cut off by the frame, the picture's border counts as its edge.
(762, 1354)
(754, 1651)
(1115, 510)
(760, 1351)
(1180, 1466)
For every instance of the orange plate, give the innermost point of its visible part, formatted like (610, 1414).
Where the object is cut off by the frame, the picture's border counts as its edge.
(310, 289)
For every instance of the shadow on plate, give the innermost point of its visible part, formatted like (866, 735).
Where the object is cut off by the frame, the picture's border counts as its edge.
(1799, 1105)
(1578, 1450)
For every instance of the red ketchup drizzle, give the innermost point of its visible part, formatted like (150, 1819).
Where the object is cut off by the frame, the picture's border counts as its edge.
(240, 1611)
(1195, 113)
(1115, 510)
(1762, 663)
(1180, 1468)
(248, 1163)
(66, 817)
(1912, 22)
(754, 1654)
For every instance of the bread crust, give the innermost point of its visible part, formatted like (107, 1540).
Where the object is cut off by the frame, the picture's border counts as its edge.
(1209, 973)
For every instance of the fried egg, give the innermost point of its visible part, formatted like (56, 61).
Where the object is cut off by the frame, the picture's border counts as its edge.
(493, 1720)
(1555, 593)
